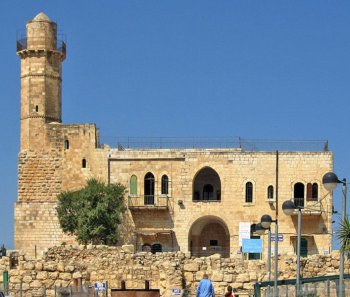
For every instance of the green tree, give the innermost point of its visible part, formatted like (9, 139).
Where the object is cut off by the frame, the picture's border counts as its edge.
(343, 235)
(92, 213)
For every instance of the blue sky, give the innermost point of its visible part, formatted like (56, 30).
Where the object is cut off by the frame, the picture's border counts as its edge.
(256, 69)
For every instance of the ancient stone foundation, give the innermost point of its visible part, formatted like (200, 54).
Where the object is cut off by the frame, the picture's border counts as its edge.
(68, 265)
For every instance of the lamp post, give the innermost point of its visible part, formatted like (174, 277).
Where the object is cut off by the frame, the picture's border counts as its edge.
(330, 182)
(266, 221)
(288, 208)
(260, 230)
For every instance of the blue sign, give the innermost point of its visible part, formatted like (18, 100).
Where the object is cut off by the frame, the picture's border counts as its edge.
(99, 286)
(280, 237)
(251, 245)
(176, 292)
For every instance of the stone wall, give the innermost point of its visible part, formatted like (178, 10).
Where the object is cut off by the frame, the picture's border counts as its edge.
(64, 265)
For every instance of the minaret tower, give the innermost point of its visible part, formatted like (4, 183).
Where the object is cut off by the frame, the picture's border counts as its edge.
(41, 75)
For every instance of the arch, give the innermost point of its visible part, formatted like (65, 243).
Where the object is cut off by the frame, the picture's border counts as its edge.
(133, 185)
(270, 192)
(206, 185)
(149, 189)
(165, 185)
(299, 194)
(66, 144)
(249, 192)
(83, 163)
(209, 235)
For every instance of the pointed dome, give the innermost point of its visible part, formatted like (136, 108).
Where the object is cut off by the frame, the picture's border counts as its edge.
(42, 17)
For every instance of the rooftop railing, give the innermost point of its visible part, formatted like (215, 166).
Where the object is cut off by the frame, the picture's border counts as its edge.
(214, 143)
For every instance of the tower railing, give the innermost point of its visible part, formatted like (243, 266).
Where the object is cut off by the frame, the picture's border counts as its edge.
(22, 44)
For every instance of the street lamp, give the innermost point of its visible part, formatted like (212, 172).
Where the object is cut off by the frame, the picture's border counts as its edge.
(288, 208)
(260, 230)
(330, 182)
(266, 221)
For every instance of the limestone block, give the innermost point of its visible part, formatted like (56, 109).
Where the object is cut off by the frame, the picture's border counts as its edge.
(29, 266)
(27, 279)
(228, 277)
(242, 278)
(41, 275)
(191, 267)
(77, 274)
(39, 266)
(216, 276)
(66, 276)
(189, 276)
(69, 268)
(36, 284)
(60, 267)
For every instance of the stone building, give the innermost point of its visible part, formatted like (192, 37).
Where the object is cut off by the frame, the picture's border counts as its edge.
(188, 199)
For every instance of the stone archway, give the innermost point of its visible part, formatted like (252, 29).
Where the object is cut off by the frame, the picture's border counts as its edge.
(209, 235)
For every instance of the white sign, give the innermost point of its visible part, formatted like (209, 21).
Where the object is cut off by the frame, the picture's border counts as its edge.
(243, 231)
(99, 286)
(204, 248)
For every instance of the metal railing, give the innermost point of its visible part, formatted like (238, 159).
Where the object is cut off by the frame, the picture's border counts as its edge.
(148, 201)
(22, 44)
(308, 205)
(325, 286)
(214, 142)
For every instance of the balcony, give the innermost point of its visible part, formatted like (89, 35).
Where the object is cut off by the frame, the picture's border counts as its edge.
(309, 207)
(22, 44)
(148, 202)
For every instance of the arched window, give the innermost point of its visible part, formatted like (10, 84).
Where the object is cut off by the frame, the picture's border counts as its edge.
(133, 185)
(206, 185)
(208, 192)
(66, 144)
(149, 188)
(299, 190)
(83, 163)
(270, 192)
(314, 191)
(165, 185)
(248, 192)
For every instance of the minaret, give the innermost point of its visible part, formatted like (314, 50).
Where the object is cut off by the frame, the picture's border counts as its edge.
(41, 75)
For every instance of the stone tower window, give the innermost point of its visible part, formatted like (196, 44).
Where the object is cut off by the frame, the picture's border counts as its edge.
(83, 163)
(66, 144)
(165, 185)
(248, 192)
(36, 108)
(133, 185)
(299, 194)
(270, 192)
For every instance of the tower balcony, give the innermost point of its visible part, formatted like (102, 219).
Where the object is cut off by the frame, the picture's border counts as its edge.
(148, 202)
(41, 44)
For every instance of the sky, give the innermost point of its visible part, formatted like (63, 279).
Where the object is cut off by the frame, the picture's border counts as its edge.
(272, 69)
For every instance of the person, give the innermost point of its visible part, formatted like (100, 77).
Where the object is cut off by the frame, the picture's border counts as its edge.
(229, 292)
(205, 288)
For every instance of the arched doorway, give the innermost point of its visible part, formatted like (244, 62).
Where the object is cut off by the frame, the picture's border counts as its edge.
(207, 185)
(209, 235)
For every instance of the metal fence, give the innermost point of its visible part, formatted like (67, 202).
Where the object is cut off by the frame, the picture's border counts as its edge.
(214, 142)
(70, 291)
(325, 286)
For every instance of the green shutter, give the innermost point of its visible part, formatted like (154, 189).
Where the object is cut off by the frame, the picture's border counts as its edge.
(133, 185)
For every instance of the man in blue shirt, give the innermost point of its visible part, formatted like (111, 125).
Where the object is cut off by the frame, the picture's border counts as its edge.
(205, 288)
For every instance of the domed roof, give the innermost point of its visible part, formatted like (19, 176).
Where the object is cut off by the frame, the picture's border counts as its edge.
(41, 17)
